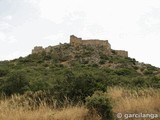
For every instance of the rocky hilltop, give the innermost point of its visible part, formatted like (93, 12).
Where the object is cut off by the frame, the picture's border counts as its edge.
(73, 67)
(87, 51)
(78, 72)
(79, 43)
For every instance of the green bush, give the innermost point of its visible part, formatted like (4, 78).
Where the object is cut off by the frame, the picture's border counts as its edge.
(3, 72)
(16, 83)
(103, 56)
(102, 61)
(139, 82)
(125, 72)
(94, 65)
(101, 103)
(39, 84)
(155, 82)
(113, 51)
(75, 88)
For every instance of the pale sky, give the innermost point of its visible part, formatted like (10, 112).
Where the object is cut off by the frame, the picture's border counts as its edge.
(131, 25)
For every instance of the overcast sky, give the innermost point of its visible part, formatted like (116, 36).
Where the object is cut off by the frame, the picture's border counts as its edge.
(132, 25)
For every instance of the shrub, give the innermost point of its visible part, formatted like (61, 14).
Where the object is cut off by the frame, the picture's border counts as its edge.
(113, 51)
(3, 72)
(94, 65)
(154, 82)
(16, 83)
(103, 56)
(39, 84)
(124, 71)
(139, 82)
(75, 88)
(102, 61)
(101, 103)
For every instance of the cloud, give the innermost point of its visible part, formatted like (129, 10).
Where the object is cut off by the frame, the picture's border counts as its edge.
(14, 14)
(8, 17)
(17, 11)
(2, 37)
(130, 25)
(15, 54)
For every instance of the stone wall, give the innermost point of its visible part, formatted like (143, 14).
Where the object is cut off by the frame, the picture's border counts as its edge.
(75, 41)
(48, 49)
(121, 53)
(37, 49)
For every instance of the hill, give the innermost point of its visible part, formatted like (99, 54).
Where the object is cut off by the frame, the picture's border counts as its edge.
(80, 59)
(79, 72)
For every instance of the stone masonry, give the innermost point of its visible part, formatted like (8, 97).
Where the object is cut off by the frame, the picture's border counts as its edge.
(37, 49)
(76, 42)
(121, 53)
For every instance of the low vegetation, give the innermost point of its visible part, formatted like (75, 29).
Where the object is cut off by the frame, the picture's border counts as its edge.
(77, 85)
(123, 101)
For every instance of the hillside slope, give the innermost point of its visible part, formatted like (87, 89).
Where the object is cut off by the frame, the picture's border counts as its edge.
(45, 69)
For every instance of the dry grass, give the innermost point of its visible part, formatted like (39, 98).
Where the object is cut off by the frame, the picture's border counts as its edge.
(135, 101)
(42, 113)
(11, 110)
(124, 101)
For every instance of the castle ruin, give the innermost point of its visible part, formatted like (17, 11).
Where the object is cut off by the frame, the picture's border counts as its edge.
(121, 53)
(76, 42)
(37, 49)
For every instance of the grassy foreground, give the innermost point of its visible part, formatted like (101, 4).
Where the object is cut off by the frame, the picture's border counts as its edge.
(123, 100)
